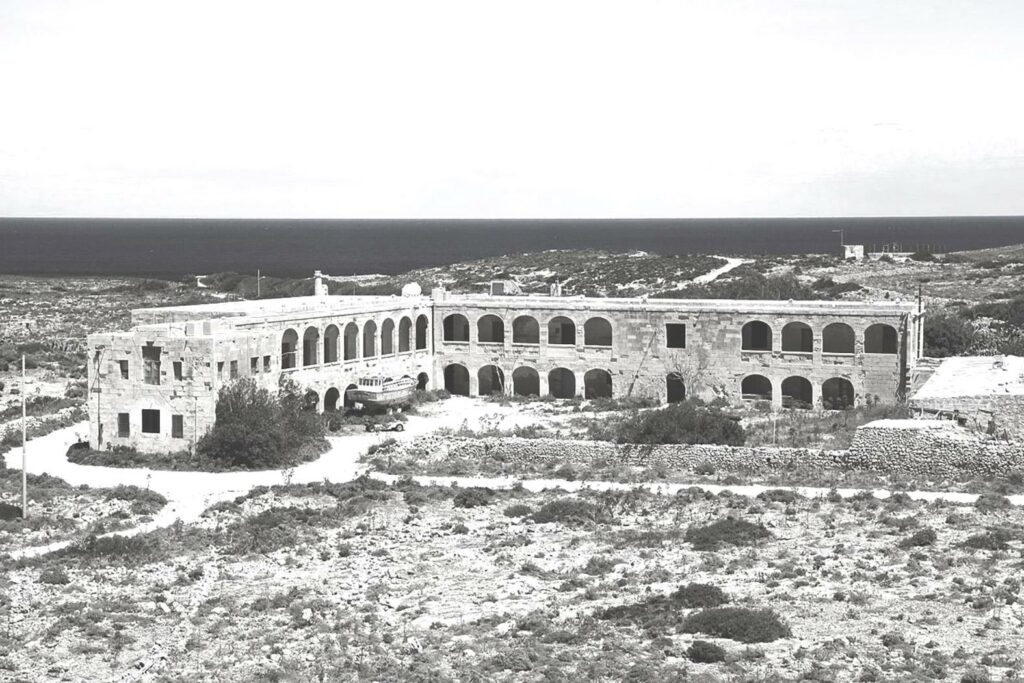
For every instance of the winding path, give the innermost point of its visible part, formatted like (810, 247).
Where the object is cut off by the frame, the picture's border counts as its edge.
(190, 493)
(712, 275)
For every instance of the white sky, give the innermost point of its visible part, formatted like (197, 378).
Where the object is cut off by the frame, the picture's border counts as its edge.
(517, 109)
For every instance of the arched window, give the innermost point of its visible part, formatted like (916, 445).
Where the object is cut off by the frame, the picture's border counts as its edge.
(422, 380)
(387, 337)
(837, 338)
(597, 332)
(837, 394)
(331, 335)
(456, 379)
(311, 401)
(369, 339)
(757, 336)
(881, 338)
(491, 380)
(561, 331)
(404, 334)
(561, 383)
(757, 387)
(422, 325)
(525, 330)
(490, 329)
(331, 397)
(675, 388)
(351, 341)
(797, 337)
(797, 393)
(289, 349)
(456, 328)
(597, 384)
(525, 382)
(310, 342)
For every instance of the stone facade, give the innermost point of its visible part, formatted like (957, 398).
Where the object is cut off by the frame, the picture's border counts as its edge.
(154, 387)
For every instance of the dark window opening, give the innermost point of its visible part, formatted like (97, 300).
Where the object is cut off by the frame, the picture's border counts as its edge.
(220, 369)
(234, 369)
(177, 369)
(151, 364)
(124, 368)
(151, 421)
(123, 428)
(266, 363)
(254, 365)
(675, 335)
(177, 427)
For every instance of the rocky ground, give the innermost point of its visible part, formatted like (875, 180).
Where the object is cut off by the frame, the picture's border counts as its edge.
(359, 582)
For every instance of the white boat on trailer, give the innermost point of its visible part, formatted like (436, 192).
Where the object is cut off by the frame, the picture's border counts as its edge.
(381, 392)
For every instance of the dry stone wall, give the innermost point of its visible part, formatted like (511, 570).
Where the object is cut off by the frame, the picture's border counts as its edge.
(899, 448)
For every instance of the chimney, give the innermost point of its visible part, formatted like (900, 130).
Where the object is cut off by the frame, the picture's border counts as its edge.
(318, 284)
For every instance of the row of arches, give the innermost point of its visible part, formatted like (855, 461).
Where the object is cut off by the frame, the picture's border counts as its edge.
(490, 329)
(798, 337)
(837, 393)
(561, 382)
(352, 342)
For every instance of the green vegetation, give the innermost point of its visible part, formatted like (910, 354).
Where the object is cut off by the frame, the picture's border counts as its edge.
(686, 422)
(738, 623)
(728, 531)
(257, 430)
(703, 652)
(572, 512)
(947, 334)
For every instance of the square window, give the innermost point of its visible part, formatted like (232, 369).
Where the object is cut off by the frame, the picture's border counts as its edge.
(151, 421)
(177, 426)
(254, 365)
(124, 368)
(675, 335)
(122, 425)
(266, 363)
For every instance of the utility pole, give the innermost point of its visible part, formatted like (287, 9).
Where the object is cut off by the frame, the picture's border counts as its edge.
(842, 242)
(24, 439)
(257, 283)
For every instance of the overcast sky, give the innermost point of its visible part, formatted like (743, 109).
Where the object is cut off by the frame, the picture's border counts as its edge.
(514, 109)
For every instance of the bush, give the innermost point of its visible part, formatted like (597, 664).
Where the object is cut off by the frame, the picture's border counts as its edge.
(779, 496)
(571, 511)
(921, 538)
(947, 335)
(700, 595)
(9, 512)
(727, 531)
(473, 497)
(144, 501)
(685, 423)
(55, 576)
(996, 539)
(991, 502)
(738, 623)
(257, 430)
(703, 652)
(518, 510)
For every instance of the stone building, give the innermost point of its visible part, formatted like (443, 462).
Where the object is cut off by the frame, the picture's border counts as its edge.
(154, 387)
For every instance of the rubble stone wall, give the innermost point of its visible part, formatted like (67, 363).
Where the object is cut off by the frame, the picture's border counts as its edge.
(1005, 412)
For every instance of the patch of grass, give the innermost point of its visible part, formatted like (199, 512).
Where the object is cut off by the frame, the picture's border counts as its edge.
(738, 623)
(144, 501)
(728, 531)
(518, 510)
(55, 576)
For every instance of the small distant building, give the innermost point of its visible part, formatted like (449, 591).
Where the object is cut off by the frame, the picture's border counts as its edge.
(984, 393)
(853, 252)
(505, 288)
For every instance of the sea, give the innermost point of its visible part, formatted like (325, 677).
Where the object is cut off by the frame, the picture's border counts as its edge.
(179, 248)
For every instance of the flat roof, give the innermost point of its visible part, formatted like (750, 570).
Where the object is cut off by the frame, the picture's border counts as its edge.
(975, 376)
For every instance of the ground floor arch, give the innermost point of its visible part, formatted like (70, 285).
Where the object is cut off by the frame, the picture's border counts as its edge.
(597, 383)
(456, 379)
(422, 381)
(331, 397)
(757, 387)
(837, 394)
(346, 399)
(797, 392)
(310, 400)
(525, 382)
(490, 380)
(562, 383)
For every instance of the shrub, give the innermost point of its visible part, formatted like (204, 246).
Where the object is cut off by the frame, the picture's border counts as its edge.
(460, 528)
(700, 595)
(991, 502)
(518, 510)
(473, 497)
(571, 511)
(975, 676)
(947, 335)
(779, 496)
(921, 538)
(996, 539)
(726, 531)
(144, 501)
(738, 623)
(703, 652)
(54, 576)
(685, 423)
(9, 512)
(598, 564)
(255, 429)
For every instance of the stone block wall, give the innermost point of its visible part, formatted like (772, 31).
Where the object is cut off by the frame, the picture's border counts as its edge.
(1000, 414)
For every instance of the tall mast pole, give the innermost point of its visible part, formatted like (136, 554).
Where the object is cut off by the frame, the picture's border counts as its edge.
(24, 456)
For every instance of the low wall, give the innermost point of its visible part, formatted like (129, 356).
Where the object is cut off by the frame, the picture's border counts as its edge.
(901, 446)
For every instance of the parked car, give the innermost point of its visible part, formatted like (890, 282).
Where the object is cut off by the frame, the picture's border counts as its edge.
(391, 426)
